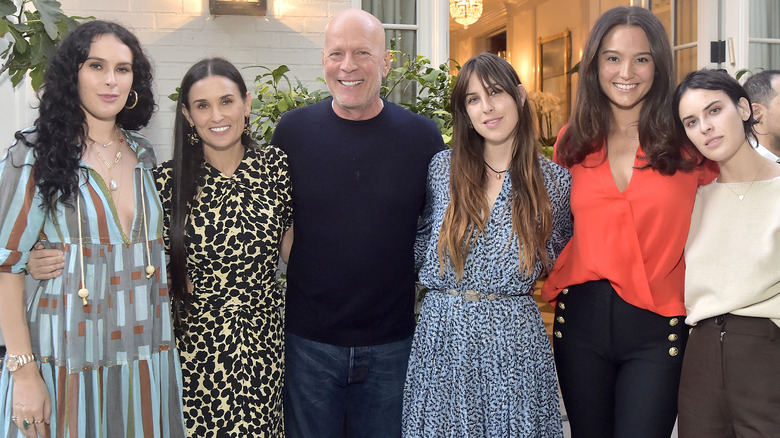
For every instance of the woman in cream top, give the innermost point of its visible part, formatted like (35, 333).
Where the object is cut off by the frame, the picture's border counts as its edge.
(729, 384)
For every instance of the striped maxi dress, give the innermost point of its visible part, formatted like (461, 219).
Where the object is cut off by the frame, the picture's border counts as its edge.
(111, 366)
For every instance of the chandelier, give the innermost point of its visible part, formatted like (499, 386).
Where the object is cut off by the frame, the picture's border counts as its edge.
(466, 12)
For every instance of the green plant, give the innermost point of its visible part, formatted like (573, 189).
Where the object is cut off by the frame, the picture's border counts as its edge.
(434, 88)
(271, 100)
(34, 35)
(275, 94)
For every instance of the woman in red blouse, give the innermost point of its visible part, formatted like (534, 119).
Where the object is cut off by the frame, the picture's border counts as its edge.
(619, 332)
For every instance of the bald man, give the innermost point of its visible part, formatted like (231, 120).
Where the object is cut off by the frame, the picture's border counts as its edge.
(358, 165)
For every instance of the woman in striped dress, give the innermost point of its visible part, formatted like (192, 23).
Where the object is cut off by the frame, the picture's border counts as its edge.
(91, 352)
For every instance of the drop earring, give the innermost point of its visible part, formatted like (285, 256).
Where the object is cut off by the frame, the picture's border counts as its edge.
(192, 137)
(247, 128)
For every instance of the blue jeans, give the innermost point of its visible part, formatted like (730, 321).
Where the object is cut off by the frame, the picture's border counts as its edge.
(333, 391)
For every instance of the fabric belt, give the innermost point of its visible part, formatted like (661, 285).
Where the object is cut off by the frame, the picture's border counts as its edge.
(475, 296)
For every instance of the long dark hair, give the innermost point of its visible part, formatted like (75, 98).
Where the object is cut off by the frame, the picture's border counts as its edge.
(186, 180)
(61, 127)
(468, 212)
(706, 79)
(589, 124)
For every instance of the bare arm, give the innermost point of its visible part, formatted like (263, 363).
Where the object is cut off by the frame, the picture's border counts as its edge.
(286, 244)
(45, 264)
(31, 400)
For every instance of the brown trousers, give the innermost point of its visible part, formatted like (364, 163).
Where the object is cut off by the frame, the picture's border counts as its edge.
(730, 384)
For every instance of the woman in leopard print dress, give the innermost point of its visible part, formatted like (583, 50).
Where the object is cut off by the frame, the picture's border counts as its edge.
(227, 205)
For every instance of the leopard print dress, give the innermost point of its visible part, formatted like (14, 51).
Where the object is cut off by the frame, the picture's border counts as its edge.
(233, 352)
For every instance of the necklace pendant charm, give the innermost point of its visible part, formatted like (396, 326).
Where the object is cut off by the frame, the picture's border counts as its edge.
(113, 185)
(118, 155)
(741, 197)
(498, 176)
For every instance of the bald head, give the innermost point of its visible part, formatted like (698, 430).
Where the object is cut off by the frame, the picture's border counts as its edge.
(357, 19)
(354, 61)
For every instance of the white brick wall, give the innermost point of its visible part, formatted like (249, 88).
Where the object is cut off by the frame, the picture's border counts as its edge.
(177, 33)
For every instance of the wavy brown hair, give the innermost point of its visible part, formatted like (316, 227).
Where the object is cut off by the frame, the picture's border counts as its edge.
(468, 211)
(589, 124)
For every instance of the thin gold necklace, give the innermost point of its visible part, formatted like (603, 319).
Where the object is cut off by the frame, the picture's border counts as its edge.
(113, 185)
(105, 145)
(741, 196)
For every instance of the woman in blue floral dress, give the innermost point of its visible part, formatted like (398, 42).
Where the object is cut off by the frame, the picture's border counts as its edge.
(496, 218)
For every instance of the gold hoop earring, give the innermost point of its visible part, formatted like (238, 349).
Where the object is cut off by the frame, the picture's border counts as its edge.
(193, 137)
(135, 100)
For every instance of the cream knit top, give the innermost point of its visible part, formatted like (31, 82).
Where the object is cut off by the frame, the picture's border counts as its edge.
(732, 255)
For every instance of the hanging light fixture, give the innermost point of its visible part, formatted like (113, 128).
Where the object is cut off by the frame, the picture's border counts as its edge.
(465, 12)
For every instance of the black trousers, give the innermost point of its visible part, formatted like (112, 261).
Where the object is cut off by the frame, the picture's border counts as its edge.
(730, 385)
(618, 365)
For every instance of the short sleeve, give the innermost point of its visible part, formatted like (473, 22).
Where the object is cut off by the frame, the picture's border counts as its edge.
(21, 212)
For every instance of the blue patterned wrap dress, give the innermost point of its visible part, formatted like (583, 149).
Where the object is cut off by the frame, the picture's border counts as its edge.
(111, 366)
(483, 368)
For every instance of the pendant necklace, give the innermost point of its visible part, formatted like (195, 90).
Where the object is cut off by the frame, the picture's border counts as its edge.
(741, 196)
(499, 173)
(113, 185)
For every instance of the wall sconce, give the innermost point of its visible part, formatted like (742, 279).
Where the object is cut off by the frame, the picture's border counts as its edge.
(237, 7)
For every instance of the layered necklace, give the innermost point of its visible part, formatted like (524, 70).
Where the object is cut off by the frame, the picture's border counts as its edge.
(499, 173)
(112, 184)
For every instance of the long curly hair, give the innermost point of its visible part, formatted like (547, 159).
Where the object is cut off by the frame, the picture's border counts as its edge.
(61, 126)
(589, 124)
(188, 162)
(468, 212)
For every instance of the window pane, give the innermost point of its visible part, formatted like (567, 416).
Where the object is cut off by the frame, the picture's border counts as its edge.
(764, 24)
(764, 21)
(402, 41)
(685, 62)
(764, 56)
(663, 10)
(392, 11)
(686, 17)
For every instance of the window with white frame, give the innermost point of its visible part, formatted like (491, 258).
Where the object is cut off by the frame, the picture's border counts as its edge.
(402, 18)
(764, 35)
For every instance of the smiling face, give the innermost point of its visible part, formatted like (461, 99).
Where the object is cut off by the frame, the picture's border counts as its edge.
(218, 111)
(492, 111)
(105, 78)
(626, 68)
(713, 123)
(354, 61)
